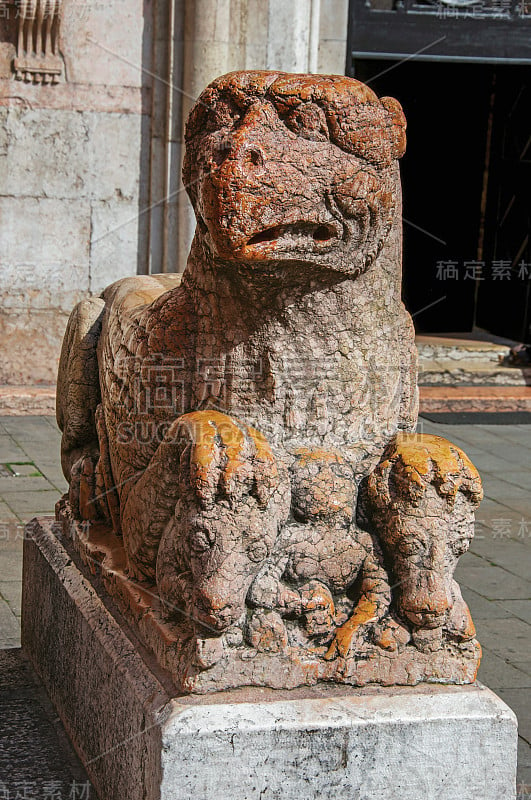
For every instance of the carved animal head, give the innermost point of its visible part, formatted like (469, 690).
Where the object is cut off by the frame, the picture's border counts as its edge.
(293, 170)
(224, 549)
(233, 500)
(423, 495)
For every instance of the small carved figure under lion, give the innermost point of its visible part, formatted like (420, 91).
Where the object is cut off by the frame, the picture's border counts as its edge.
(240, 443)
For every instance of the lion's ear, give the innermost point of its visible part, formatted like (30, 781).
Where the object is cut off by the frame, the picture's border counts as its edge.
(397, 125)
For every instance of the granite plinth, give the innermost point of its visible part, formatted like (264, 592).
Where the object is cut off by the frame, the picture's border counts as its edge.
(138, 738)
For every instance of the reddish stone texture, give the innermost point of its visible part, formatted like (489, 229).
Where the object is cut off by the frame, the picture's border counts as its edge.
(240, 437)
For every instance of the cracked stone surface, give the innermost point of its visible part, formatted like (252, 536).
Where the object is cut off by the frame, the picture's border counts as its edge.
(239, 443)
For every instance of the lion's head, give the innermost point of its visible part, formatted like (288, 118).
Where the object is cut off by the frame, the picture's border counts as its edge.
(421, 498)
(287, 168)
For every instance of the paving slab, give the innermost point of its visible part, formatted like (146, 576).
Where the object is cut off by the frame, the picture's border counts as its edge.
(32, 503)
(12, 535)
(508, 638)
(481, 608)
(509, 451)
(9, 624)
(29, 429)
(515, 497)
(6, 514)
(524, 755)
(518, 478)
(11, 592)
(10, 450)
(491, 508)
(11, 564)
(521, 609)
(513, 556)
(493, 582)
(470, 560)
(25, 484)
(496, 673)
(523, 786)
(491, 463)
(36, 758)
(24, 469)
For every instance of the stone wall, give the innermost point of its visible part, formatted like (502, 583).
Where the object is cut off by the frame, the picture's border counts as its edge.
(70, 181)
(90, 187)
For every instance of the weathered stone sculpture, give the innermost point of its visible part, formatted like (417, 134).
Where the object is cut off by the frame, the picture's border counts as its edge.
(241, 440)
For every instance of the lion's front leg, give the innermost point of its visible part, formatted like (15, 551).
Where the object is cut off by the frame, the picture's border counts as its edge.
(269, 592)
(270, 599)
(92, 493)
(86, 493)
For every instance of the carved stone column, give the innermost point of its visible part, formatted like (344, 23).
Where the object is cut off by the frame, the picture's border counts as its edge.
(197, 40)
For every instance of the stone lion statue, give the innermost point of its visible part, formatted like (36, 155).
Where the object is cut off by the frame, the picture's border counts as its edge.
(225, 423)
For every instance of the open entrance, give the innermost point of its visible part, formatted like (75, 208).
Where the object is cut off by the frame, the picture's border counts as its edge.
(467, 192)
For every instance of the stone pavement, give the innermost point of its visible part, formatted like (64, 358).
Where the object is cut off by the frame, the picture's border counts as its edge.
(31, 481)
(495, 575)
(37, 762)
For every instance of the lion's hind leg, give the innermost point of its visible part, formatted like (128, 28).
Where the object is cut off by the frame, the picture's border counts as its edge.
(78, 397)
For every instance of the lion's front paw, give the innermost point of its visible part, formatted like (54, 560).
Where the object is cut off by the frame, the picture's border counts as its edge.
(391, 635)
(208, 652)
(226, 458)
(318, 611)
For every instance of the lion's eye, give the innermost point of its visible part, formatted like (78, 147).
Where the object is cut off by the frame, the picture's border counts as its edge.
(257, 551)
(309, 121)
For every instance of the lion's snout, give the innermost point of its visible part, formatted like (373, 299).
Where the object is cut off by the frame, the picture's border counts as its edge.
(215, 611)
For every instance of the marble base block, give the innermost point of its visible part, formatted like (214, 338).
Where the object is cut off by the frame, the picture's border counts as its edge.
(140, 740)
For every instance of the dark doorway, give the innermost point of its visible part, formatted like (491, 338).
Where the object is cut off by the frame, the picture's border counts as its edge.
(469, 131)
(503, 302)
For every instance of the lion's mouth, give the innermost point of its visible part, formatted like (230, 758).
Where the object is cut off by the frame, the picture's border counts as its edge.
(295, 236)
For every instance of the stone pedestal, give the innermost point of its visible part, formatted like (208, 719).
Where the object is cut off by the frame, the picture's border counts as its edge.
(137, 739)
